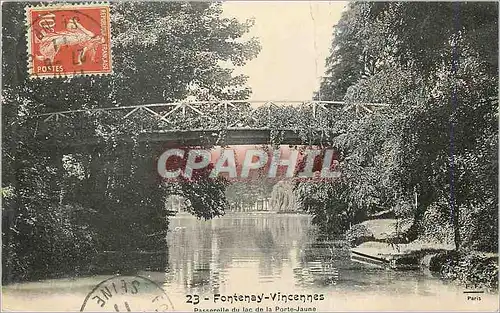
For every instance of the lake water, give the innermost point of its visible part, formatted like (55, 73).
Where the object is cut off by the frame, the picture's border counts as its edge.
(262, 253)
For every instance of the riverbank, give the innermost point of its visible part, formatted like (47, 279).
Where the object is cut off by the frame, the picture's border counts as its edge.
(376, 242)
(274, 253)
(97, 263)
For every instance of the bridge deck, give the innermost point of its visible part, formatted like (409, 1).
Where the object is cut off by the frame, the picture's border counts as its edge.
(244, 136)
(229, 122)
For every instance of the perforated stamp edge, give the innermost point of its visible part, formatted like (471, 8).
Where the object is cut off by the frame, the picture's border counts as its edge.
(65, 6)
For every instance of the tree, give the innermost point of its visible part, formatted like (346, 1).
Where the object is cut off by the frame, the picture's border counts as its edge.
(433, 63)
(159, 50)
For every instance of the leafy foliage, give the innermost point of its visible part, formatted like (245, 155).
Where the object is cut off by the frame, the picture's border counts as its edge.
(477, 270)
(436, 64)
(162, 52)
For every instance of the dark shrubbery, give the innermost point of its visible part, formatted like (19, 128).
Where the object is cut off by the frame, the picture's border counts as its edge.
(475, 270)
(42, 244)
(358, 234)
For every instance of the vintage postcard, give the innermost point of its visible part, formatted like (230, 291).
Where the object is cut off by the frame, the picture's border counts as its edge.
(249, 156)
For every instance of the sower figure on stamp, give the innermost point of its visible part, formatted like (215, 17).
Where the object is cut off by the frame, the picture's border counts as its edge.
(74, 35)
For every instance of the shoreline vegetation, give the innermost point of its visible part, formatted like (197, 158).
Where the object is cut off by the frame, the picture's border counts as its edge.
(419, 180)
(376, 238)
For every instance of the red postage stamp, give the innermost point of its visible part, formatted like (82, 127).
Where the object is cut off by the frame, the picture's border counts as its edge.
(69, 40)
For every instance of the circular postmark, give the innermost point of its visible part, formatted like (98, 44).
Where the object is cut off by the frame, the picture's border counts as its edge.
(127, 294)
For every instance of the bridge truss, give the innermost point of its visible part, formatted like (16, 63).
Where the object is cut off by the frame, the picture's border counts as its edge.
(192, 120)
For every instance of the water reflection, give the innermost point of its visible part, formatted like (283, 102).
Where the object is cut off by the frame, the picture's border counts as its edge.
(202, 253)
(275, 250)
(260, 253)
(319, 264)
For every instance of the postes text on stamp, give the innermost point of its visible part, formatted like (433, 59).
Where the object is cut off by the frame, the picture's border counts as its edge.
(68, 40)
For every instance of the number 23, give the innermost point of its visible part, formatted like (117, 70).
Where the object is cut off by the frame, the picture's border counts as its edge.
(194, 299)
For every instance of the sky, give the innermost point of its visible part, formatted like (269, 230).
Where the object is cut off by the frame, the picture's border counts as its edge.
(295, 39)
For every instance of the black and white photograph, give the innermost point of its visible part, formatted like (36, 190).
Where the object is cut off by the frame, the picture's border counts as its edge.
(249, 156)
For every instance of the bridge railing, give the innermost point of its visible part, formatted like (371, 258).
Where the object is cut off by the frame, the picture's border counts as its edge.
(223, 114)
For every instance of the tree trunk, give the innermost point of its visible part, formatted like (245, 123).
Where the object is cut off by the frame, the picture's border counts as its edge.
(456, 227)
